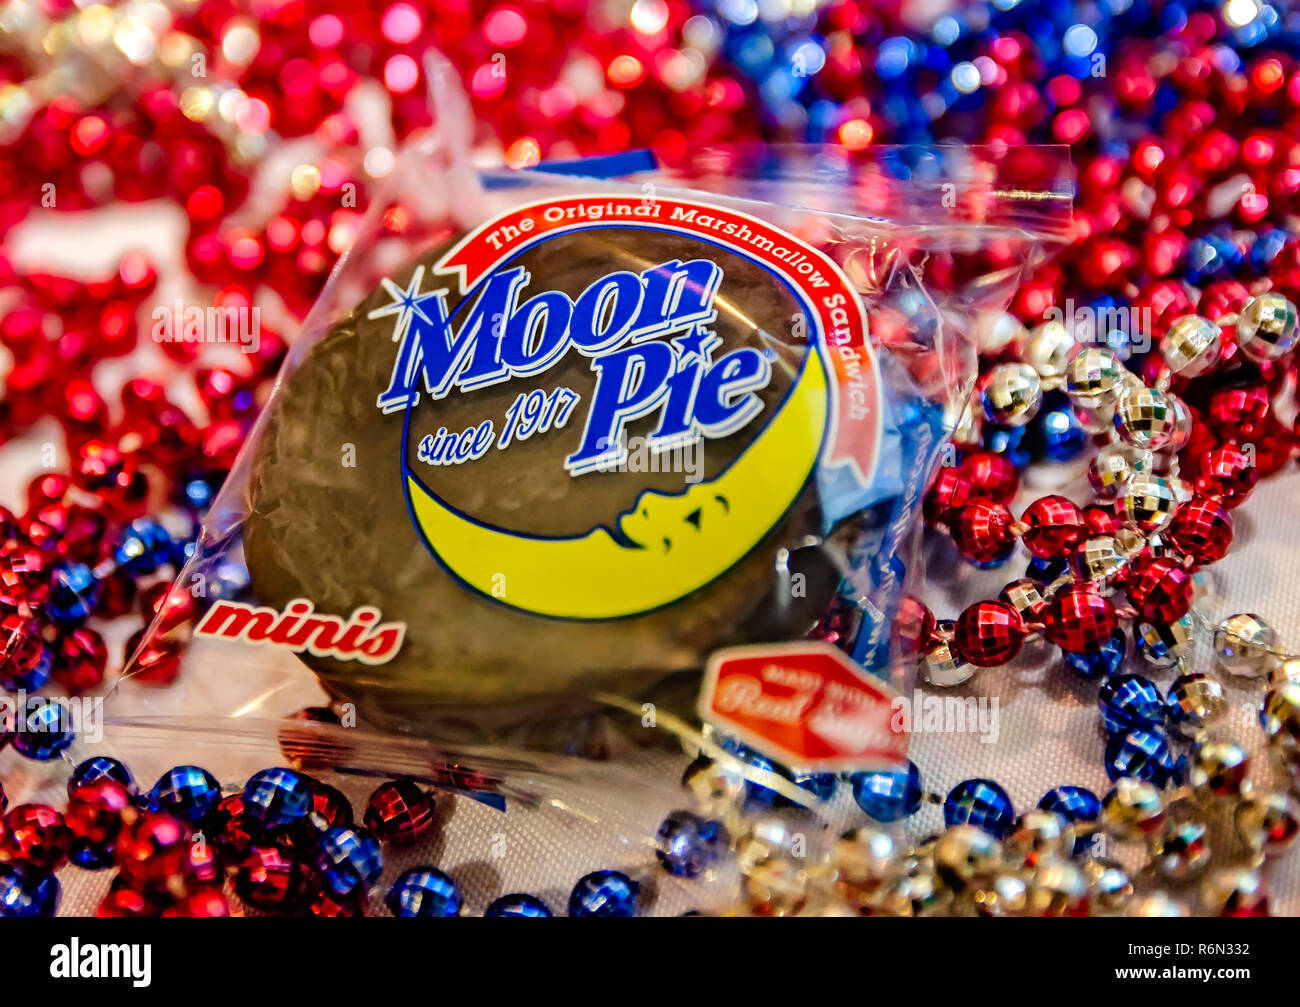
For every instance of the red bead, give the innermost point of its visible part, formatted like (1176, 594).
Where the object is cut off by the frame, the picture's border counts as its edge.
(207, 903)
(990, 475)
(982, 531)
(1056, 527)
(23, 652)
(1101, 520)
(1238, 412)
(327, 904)
(23, 576)
(95, 810)
(989, 633)
(399, 812)
(270, 879)
(123, 901)
(46, 489)
(1078, 619)
(1160, 589)
(329, 808)
(308, 748)
(156, 663)
(173, 609)
(1228, 473)
(35, 836)
(1202, 529)
(913, 624)
(950, 491)
(231, 830)
(80, 657)
(152, 849)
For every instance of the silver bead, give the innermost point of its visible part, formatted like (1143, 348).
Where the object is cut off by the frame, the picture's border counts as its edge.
(1234, 891)
(1191, 346)
(865, 860)
(1048, 349)
(1099, 558)
(715, 787)
(1006, 893)
(1218, 769)
(1163, 645)
(1149, 502)
(1010, 394)
(1157, 905)
(1115, 464)
(1280, 716)
(1246, 645)
(1181, 850)
(1199, 700)
(1037, 834)
(769, 837)
(942, 666)
(1183, 421)
(1146, 418)
(1094, 378)
(1287, 671)
(1056, 888)
(1134, 809)
(1266, 327)
(963, 853)
(918, 893)
(996, 330)
(1109, 884)
(776, 887)
(1269, 822)
(1025, 597)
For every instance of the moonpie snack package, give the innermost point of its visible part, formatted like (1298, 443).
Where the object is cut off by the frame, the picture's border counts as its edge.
(550, 441)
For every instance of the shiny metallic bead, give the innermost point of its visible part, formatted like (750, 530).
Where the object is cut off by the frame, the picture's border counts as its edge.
(715, 785)
(1134, 809)
(1129, 701)
(1191, 346)
(1115, 464)
(1078, 806)
(1102, 660)
(1026, 597)
(688, 845)
(963, 853)
(1268, 823)
(1162, 645)
(1010, 394)
(1287, 671)
(427, 891)
(888, 795)
(1266, 327)
(600, 893)
(1099, 558)
(1037, 834)
(1048, 349)
(185, 792)
(1094, 378)
(769, 837)
(981, 803)
(917, 893)
(1244, 644)
(1183, 422)
(349, 860)
(1109, 884)
(1280, 716)
(1218, 768)
(276, 798)
(399, 812)
(970, 428)
(1056, 887)
(943, 666)
(1141, 753)
(864, 861)
(1194, 702)
(1234, 891)
(776, 887)
(1097, 421)
(1157, 905)
(996, 330)
(1150, 502)
(1145, 418)
(26, 893)
(518, 905)
(1004, 893)
(1181, 850)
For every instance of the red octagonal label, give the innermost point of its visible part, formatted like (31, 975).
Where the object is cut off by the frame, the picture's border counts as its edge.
(807, 705)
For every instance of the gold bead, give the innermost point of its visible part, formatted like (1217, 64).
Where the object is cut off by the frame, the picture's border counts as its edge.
(963, 853)
(1268, 823)
(943, 666)
(768, 837)
(1181, 850)
(1025, 597)
(1048, 349)
(1146, 418)
(996, 330)
(917, 893)
(1218, 768)
(1100, 558)
(1149, 502)
(1094, 378)
(1234, 891)
(775, 887)
(864, 860)
(1191, 346)
(1057, 888)
(1005, 893)
(1281, 714)
(1109, 884)
(1134, 809)
(1287, 671)
(1266, 327)
(715, 787)
(1244, 644)
(1037, 834)
(1115, 464)
(1010, 394)
(1156, 905)
(1162, 645)
(1198, 701)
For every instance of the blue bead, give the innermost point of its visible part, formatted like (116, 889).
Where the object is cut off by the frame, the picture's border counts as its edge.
(185, 792)
(43, 731)
(74, 592)
(424, 891)
(349, 858)
(1141, 754)
(199, 493)
(1128, 701)
(1056, 433)
(604, 893)
(1074, 804)
(820, 785)
(226, 581)
(518, 905)
(1266, 247)
(981, 803)
(101, 767)
(143, 546)
(275, 798)
(1105, 660)
(92, 856)
(688, 845)
(1045, 571)
(26, 894)
(888, 795)
(31, 675)
(757, 795)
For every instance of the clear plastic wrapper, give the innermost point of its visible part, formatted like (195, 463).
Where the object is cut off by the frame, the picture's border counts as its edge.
(550, 442)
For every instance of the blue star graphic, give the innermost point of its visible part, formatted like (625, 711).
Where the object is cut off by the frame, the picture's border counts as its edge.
(405, 304)
(697, 341)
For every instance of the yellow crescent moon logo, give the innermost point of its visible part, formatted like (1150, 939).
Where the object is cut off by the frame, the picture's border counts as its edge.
(675, 544)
